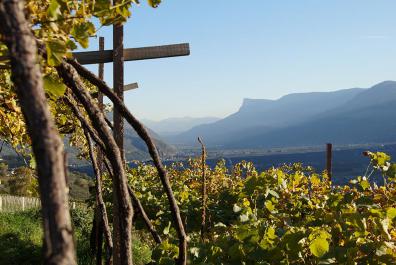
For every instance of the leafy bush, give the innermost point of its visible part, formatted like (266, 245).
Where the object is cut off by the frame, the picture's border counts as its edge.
(21, 181)
(286, 215)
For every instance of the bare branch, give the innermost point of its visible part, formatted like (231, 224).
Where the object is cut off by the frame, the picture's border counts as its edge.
(146, 219)
(99, 199)
(123, 211)
(142, 132)
(84, 123)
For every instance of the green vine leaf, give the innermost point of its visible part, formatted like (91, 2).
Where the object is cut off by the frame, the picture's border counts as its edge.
(319, 247)
(154, 3)
(53, 87)
(82, 32)
(56, 50)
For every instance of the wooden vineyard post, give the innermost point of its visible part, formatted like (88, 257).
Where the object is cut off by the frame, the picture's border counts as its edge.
(122, 243)
(100, 95)
(329, 158)
(204, 191)
(100, 157)
(118, 84)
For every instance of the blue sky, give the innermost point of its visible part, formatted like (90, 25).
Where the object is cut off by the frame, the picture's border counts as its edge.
(254, 49)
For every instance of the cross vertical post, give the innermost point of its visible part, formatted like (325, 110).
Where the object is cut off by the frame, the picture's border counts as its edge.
(100, 157)
(329, 158)
(100, 101)
(118, 84)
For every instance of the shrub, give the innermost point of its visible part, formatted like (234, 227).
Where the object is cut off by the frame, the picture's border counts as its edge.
(286, 215)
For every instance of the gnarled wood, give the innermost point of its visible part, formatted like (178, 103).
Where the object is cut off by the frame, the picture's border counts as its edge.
(46, 143)
(142, 132)
(99, 200)
(84, 123)
(123, 211)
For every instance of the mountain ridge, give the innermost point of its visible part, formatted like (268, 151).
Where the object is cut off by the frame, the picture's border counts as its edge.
(258, 122)
(176, 125)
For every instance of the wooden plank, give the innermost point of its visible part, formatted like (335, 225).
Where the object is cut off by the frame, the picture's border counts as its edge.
(131, 86)
(131, 54)
(134, 54)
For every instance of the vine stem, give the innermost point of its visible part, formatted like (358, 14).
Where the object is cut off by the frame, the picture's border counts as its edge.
(99, 200)
(143, 134)
(122, 207)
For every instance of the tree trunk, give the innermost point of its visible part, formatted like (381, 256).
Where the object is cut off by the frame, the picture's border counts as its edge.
(46, 143)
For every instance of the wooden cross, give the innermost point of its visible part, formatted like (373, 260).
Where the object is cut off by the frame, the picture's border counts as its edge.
(117, 57)
(134, 54)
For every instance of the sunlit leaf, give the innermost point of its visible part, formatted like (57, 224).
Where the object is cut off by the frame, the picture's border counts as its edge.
(53, 10)
(154, 3)
(56, 50)
(54, 87)
(82, 32)
(319, 247)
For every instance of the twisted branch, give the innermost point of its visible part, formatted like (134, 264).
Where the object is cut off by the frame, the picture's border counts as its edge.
(142, 132)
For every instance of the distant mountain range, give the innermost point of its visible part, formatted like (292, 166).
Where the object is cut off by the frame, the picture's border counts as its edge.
(173, 126)
(135, 147)
(349, 116)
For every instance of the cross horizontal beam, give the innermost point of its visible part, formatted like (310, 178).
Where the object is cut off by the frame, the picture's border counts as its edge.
(134, 54)
(131, 54)
(131, 86)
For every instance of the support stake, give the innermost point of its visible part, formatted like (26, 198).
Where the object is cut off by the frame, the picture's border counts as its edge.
(329, 157)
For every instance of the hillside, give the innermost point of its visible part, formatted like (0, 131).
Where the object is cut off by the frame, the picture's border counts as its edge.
(342, 117)
(173, 126)
(135, 148)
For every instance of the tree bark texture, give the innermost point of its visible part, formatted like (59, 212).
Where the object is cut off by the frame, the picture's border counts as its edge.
(46, 142)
